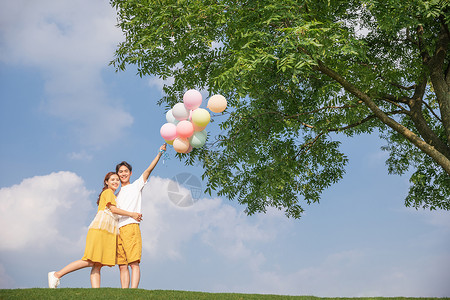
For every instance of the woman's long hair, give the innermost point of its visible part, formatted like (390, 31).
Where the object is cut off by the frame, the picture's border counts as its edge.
(105, 186)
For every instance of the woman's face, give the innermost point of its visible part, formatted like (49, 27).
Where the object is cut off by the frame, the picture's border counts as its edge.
(113, 182)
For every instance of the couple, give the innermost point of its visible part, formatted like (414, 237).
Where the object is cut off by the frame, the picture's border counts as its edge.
(113, 239)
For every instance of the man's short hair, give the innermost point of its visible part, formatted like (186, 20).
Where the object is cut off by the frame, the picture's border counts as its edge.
(124, 163)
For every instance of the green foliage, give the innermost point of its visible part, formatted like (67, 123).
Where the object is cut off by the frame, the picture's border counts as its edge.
(295, 71)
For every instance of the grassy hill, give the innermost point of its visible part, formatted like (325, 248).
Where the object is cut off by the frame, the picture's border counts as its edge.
(114, 293)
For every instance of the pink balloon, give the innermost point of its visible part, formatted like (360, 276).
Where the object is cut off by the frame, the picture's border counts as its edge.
(185, 129)
(192, 99)
(168, 131)
(181, 145)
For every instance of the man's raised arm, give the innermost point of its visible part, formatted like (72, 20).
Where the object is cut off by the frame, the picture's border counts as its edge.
(155, 161)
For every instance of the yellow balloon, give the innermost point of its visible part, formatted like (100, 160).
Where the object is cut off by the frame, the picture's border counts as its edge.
(217, 103)
(169, 142)
(201, 117)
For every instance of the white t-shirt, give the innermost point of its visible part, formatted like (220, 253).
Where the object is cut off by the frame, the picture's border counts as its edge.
(129, 199)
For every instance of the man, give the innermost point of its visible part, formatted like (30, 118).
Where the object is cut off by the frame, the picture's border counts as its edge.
(129, 243)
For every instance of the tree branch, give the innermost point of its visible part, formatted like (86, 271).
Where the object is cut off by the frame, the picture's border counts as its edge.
(419, 120)
(432, 111)
(368, 118)
(323, 108)
(437, 156)
(399, 86)
(425, 55)
(393, 99)
(308, 145)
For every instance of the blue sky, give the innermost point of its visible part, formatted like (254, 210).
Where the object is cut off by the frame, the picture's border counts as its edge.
(67, 118)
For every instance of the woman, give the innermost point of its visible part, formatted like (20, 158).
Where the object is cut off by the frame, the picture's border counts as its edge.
(101, 239)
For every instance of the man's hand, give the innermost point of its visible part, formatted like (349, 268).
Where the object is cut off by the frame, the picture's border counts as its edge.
(136, 216)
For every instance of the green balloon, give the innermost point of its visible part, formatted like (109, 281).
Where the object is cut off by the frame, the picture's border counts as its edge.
(198, 139)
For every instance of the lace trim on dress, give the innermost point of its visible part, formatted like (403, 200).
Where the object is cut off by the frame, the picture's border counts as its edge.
(105, 220)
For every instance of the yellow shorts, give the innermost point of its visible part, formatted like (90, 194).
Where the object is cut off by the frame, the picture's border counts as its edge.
(129, 244)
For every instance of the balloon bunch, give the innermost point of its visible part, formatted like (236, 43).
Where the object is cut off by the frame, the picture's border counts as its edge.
(186, 121)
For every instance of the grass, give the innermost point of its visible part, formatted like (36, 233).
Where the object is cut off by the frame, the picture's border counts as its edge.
(114, 293)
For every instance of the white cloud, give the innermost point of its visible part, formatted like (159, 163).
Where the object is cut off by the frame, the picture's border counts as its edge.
(70, 42)
(48, 33)
(43, 209)
(166, 227)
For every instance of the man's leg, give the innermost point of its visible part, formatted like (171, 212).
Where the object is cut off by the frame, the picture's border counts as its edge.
(124, 276)
(129, 250)
(135, 274)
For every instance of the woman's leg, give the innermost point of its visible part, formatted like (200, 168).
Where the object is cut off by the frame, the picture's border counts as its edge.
(95, 275)
(73, 266)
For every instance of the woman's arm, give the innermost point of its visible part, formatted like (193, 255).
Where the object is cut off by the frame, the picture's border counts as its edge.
(118, 211)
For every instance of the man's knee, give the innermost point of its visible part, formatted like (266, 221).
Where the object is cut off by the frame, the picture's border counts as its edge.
(123, 268)
(134, 265)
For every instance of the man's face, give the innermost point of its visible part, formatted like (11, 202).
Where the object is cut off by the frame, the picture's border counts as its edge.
(124, 174)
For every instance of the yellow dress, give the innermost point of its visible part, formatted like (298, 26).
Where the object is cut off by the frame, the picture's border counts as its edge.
(101, 239)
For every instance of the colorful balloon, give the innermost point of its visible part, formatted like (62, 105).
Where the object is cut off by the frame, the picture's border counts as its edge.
(181, 145)
(168, 131)
(169, 142)
(189, 149)
(192, 99)
(180, 112)
(217, 103)
(198, 139)
(198, 128)
(170, 118)
(201, 117)
(185, 129)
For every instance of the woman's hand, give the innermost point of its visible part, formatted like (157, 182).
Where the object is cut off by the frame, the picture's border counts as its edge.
(136, 216)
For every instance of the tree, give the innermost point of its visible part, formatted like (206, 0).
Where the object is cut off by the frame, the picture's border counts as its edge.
(298, 74)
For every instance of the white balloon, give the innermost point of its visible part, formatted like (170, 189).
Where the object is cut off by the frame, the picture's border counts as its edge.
(180, 112)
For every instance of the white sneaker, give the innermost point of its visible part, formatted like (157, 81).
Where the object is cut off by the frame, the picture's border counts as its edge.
(53, 282)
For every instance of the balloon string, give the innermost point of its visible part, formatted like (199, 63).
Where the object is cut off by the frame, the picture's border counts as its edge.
(165, 156)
